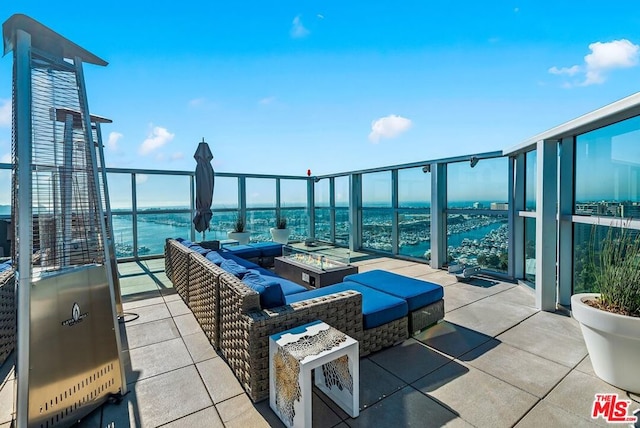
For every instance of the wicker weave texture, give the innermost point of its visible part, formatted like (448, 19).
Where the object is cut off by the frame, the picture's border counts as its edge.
(203, 295)
(7, 314)
(179, 259)
(168, 265)
(426, 316)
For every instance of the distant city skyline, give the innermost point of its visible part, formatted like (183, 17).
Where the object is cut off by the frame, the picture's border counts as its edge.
(334, 86)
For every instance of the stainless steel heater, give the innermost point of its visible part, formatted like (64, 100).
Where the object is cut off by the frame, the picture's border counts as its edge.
(68, 346)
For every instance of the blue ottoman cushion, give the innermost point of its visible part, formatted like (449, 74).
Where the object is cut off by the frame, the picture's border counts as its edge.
(417, 293)
(268, 249)
(378, 308)
(244, 251)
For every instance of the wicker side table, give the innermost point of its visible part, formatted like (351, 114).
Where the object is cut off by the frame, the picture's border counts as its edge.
(293, 355)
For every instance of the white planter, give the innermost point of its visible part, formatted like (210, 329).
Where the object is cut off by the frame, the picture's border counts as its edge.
(613, 342)
(280, 236)
(241, 237)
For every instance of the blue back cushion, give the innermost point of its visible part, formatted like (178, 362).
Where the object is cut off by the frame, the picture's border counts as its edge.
(271, 295)
(242, 262)
(215, 258)
(5, 266)
(186, 242)
(199, 249)
(234, 268)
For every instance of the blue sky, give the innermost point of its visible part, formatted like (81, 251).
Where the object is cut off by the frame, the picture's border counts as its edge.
(282, 87)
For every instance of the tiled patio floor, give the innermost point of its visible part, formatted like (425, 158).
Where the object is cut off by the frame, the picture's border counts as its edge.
(493, 362)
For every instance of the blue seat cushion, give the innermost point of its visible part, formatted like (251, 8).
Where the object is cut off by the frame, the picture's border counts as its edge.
(242, 262)
(215, 257)
(234, 268)
(199, 249)
(185, 242)
(7, 265)
(271, 295)
(417, 293)
(378, 308)
(268, 249)
(244, 251)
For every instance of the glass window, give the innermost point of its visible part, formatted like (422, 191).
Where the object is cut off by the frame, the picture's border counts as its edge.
(259, 222)
(485, 186)
(530, 181)
(293, 193)
(153, 229)
(261, 193)
(478, 239)
(376, 229)
(530, 250)
(225, 193)
(414, 227)
(321, 189)
(119, 191)
(162, 191)
(343, 227)
(222, 222)
(341, 189)
(414, 188)
(607, 171)
(323, 224)
(123, 234)
(376, 189)
(297, 222)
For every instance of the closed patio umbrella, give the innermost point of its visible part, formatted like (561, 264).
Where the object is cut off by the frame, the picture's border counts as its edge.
(204, 187)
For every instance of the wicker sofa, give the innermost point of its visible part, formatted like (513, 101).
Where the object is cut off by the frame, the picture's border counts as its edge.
(233, 319)
(7, 314)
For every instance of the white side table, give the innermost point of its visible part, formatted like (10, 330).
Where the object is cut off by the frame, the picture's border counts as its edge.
(294, 353)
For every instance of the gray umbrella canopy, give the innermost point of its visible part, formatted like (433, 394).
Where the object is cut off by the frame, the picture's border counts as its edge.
(204, 187)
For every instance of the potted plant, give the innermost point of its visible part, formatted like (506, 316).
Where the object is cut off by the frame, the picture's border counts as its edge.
(239, 233)
(610, 319)
(281, 232)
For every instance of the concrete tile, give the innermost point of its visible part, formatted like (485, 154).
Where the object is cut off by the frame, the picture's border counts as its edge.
(158, 400)
(490, 317)
(154, 264)
(531, 373)
(128, 289)
(204, 418)
(187, 324)
(376, 383)
(576, 392)
(6, 401)
(170, 295)
(129, 268)
(153, 299)
(458, 295)
(151, 332)
(159, 358)
(372, 260)
(413, 270)
(548, 343)
(585, 366)
(410, 360)
(199, 347)
(178, 307)
(220, 381)
(546, 415)
(479, 399)
(265, 411)
(451, 339)
(518, 295)
(557, 322)
(405, 408)
(137, 279)
(440, 277)
(323, 413)
(239, 412)
(148, 313)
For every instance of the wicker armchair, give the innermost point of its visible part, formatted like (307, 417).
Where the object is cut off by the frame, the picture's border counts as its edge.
(7, 314)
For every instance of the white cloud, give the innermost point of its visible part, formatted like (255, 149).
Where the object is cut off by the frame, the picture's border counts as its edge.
(112, 142)
(177, 156)
(297, 29)
(141, 178)
(604, 57)
(267, 100)
(157, 138)
(6, 158)
(388, 127)
(5, 113)
(320, 16)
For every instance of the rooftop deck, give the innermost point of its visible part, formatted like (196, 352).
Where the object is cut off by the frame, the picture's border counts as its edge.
(495, 361)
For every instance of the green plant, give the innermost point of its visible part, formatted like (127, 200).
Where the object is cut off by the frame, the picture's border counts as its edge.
(239, 225)
(616, 270)
(281, 223)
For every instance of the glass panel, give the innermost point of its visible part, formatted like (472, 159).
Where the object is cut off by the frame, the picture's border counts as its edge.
(341, 188)
(484, 186)
(478, 240)
(530, 181)
(119, 191)
(607, 172)
(261, 193)
(221, 224)
(259, 222)
(321, 189)
(376, 229)
(415, 233)
(323, 224)
(153, 229)
(376, 189)
(162, 191)
(123, 234)
(297, 222)
(414, 188)
(293, 193)
(225, 193)
(530, 250)
(343, 227)
(5, 192)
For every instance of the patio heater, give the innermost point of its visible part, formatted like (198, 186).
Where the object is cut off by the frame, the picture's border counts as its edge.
(68, 342)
